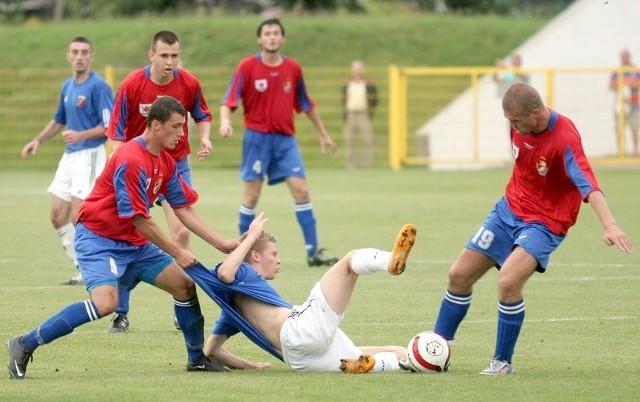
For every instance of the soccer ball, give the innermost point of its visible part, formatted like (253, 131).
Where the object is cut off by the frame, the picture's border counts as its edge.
(428, 352)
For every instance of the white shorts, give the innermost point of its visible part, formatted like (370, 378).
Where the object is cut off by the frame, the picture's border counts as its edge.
(77, 173)
(311, 338)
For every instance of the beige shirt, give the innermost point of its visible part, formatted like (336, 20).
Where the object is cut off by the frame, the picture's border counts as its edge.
(357, 97)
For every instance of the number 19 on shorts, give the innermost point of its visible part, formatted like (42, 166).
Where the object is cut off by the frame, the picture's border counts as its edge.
(483, 238)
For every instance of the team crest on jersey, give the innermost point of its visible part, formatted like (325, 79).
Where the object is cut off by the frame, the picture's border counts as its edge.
(156, 186)
(260, 85)
(82, 101)
(144, 108)
(287, 87)
(542, 167)
(515, 151)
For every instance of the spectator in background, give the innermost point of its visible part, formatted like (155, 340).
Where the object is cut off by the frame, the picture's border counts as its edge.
(272, 88)
(630, 105)
(359, 98)
(84, 108)
(506, 78)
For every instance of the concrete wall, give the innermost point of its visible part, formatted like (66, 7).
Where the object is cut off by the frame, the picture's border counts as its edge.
(589, 33)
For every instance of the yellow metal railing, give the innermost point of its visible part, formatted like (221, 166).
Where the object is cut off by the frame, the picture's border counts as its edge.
(419, 94)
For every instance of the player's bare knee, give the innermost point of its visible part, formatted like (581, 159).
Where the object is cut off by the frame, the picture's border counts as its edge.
(106, 306)
(509, 289)
(181, 237)
(459, 280)
(184, 290)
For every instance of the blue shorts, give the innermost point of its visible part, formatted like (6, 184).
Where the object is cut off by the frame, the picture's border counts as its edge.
(275, 156)
(104, 261)
(503, 231)
(184, 167)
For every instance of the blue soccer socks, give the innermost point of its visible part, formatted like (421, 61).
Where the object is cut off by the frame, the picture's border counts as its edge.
(307, 222)
(453, 309)
(510, 319)
(61, 324)
(191, 323)
(246, 216)
(123, 300)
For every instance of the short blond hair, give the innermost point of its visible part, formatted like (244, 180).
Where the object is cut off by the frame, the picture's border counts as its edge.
(260, 244)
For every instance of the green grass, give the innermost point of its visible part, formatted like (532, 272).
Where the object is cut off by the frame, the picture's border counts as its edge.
(321, 41)
(579, 341)
(325, 45)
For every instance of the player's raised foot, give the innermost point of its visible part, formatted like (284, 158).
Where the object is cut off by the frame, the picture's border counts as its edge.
(405, 239)
(320, 259)
(361, 365)
(18, 359)
(74, 280)
(206, 364)
(498, 367)
(119, 323)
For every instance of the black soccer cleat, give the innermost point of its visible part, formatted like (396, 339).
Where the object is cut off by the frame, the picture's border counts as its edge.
(320, 258)
(206, 364)
(119, 323)
(18, 359)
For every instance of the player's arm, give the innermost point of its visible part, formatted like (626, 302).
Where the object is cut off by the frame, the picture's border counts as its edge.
(115, 144)
(47, 132)
(229, 267)
(612, 233)
(192, 220)
(214, 350)
(226, 130)
(325, 138)
(204, 132)
(150, 229)
(73, 136)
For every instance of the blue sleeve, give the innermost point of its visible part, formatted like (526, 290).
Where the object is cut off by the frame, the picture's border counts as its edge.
(576, 174)
(104, 103)
(224, 326)
(61, 112)
(177, 188)
(303, 98)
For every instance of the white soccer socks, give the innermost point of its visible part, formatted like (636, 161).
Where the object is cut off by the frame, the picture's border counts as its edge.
(369, 260)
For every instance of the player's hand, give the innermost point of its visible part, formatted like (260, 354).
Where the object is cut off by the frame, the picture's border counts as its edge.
(30, 148)
(258, 223)
(186, 259)
(205, 149)
(225, 129)
(327, 141)
(614, 235)
(260, 365)
(229, 245)
(71, 137)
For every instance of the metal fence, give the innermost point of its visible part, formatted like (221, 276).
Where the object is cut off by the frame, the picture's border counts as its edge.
(432, 109)
(28, 99)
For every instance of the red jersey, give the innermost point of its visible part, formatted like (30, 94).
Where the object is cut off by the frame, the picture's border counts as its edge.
(269, 94)
(551, 175)
(130, 183)
(137, 93)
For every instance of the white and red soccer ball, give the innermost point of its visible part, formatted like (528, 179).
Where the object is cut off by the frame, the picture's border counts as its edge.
(428, 352)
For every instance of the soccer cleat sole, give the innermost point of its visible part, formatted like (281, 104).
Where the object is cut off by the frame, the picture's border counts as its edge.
(405, 240)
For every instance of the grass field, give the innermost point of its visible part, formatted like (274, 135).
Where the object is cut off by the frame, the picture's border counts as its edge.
(579, 341)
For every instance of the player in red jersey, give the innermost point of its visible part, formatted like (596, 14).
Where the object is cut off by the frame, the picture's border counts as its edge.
(138, 91)
(272, 87)
(551, 178)
(118, 243)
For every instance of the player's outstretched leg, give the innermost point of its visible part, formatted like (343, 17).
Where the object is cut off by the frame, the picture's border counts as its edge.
(405, 240)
